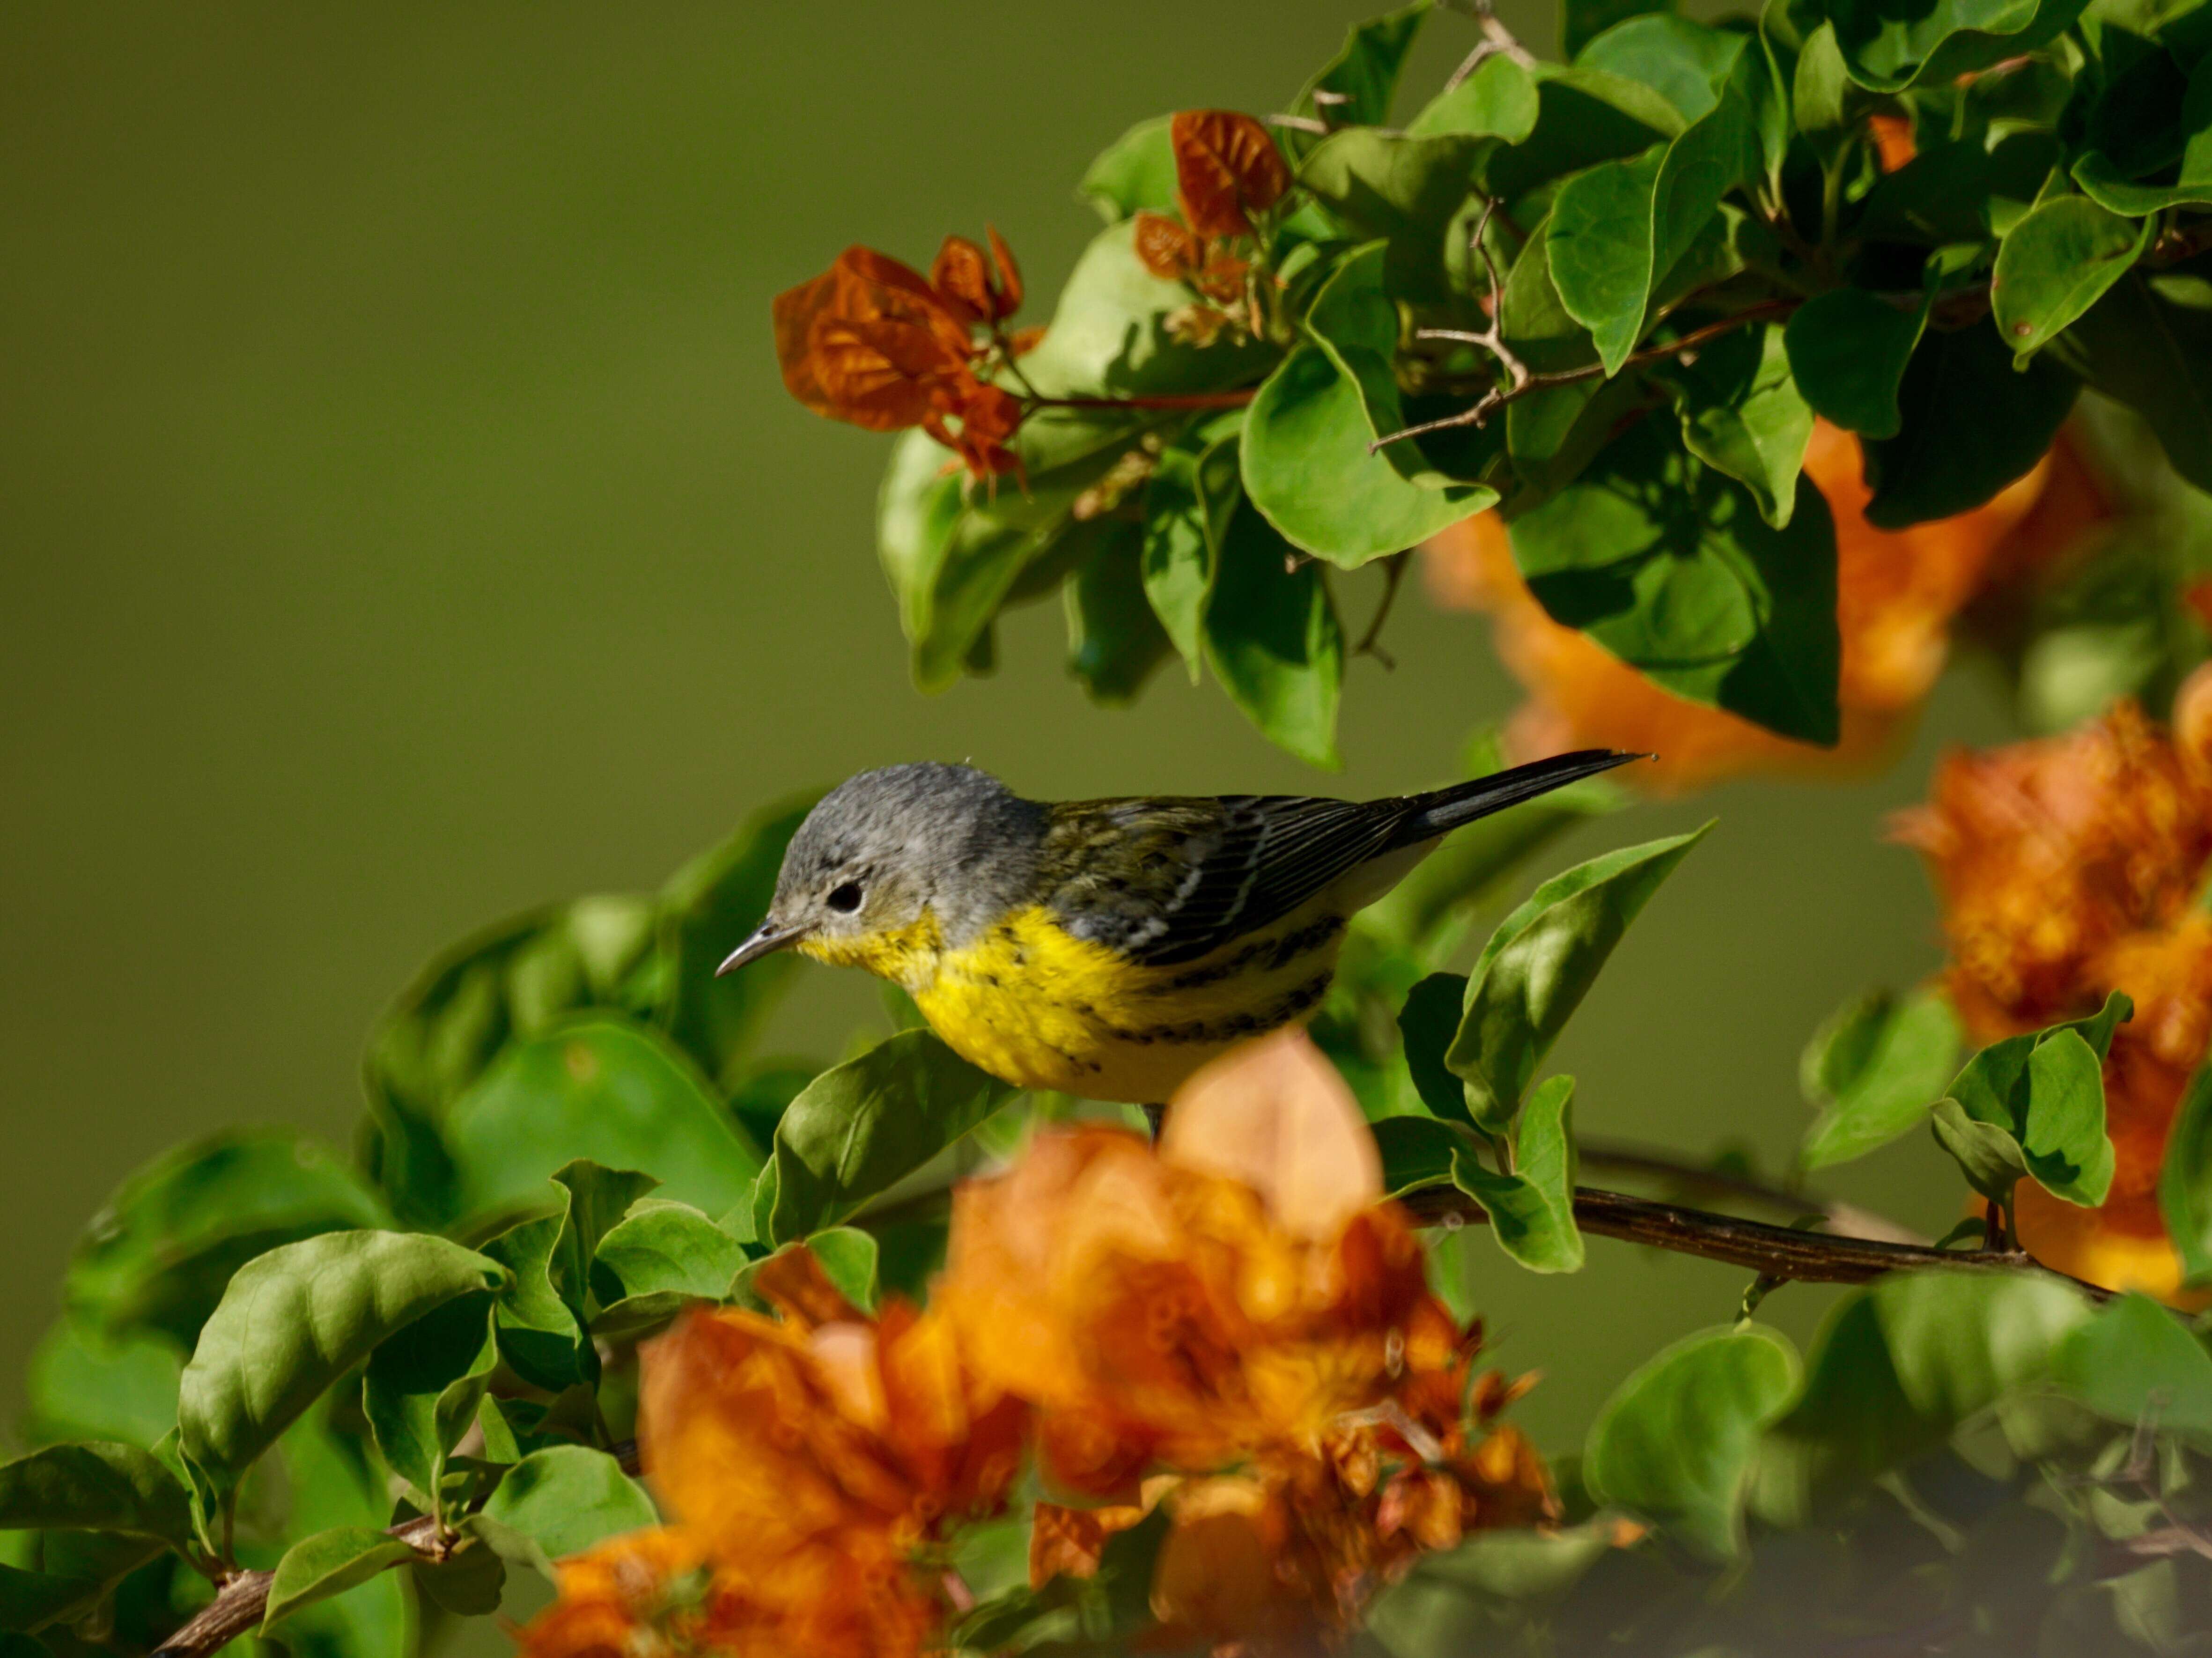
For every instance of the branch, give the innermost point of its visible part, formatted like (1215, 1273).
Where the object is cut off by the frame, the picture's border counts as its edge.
(1497, 41)
(1846, 1218)
(1370, 642)
(1775, 1251)
(242, 1598)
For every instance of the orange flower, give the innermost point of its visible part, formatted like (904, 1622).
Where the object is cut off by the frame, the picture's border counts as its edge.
(872, 342)
(2068, 868)
(1239, 1299)
(1897, 594)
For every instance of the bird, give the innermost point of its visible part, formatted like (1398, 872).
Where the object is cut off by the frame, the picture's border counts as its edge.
(1104, 949)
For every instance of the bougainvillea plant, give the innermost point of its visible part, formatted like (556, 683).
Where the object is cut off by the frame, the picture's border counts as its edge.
(1740, 374)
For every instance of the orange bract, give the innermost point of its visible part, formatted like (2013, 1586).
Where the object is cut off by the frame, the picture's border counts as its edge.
(2068, 868)
(872, 342)
(1227, 168)
(1898, 593)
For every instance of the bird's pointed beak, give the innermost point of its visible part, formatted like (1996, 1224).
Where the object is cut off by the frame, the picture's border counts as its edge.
(768, 938)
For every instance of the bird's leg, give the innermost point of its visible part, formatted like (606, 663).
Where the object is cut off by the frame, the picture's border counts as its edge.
(1156, 1116)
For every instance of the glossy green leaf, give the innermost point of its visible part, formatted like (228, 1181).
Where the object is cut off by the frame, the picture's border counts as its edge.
(1987, 1154)
(1418, 1151)
(2138, 1364)
(1307, 467)
(1876, 1071)
(1188, 500)
(1272, 639)
(601, 1089)
(2056, 263)
(2051, 1105)
(1498, 101)
(1405, 188)
(1689, 63)
(2148, 343)
(2184, 1179)
(1359, 80)
(82, 1384)
(328, 1563)
(1901, 1366)
(540, 1335)
(1742, 414)
(713, 900)
(1532, 1210)
(1888, 45)
(1970, 426)
(868, 1123)
(1848, 352)
(1114, 638)
(1582, 21)
(295, 1320)
(96, 1486)
(329, 1484)
(850, 1258)
(424, 1386)
(568, 1498)
(1427, 1024)
(159, 1252)
(649, 1265)
(1678, 1440)
(1670, 566)
(1135, 173)
(1540, 962)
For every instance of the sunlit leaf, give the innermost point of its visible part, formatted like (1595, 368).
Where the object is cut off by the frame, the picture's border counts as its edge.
(1135, 173)
(1888, 46)
(328, 1563)
(2056, 263)
(1742, 414)
(566, 1498)
(1532, 1210)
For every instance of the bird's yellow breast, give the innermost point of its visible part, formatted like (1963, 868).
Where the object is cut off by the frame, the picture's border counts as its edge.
(1030, 1003)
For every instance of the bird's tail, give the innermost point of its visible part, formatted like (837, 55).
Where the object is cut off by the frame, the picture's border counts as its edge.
(1444, 810)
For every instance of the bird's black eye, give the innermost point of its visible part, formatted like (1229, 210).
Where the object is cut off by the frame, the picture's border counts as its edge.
(847, 898)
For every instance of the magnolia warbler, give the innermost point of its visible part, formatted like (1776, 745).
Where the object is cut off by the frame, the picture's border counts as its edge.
(1104, 948)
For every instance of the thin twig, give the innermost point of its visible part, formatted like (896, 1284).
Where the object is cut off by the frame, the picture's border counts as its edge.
(1394, 573)
(1497, 41)
(1300, 124)
(1847, 1219)
(1777, 1252)
(1497, 398)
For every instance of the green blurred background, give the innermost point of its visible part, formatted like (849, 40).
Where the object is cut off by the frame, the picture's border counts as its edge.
(405, 523)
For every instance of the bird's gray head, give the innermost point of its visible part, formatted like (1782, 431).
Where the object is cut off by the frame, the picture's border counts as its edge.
(887, 846)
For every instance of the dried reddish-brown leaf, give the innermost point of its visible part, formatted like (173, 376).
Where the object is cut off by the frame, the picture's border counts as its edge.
(1009, 287)
(1167, 247)
(796, 310)
(976, 288)
(1227, 168)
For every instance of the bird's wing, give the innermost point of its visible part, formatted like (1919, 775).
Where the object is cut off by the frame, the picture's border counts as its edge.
(1168, 881)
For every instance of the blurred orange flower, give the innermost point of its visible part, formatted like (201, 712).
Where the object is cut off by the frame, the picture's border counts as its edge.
(872, 342)
(1897, 594)
(2069, 867)
(1239, 1299)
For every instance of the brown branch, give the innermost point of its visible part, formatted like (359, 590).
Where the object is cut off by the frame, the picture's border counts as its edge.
(1496, 397)
(242, 1598)
(1370, 642)
(1776, 1252)
(1847, 1219)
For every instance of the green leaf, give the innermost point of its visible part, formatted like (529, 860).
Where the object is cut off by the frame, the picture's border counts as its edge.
(1582, 21)
(32, 1600)
(471, 1583)
(2138, 1364)
(2110, 166)
(1362, 76)
(718, 896)
(1899, 1367)
(664, 1255)
(1689, 65)
(1887, 46)
(423, 1388)
(2148, 343)
(1970, 426)
(1532, 1210)
(1114, 640)
(1134, 172)
(2050, 1105)
(1405, 188)
(2184, 1179)
(1498, 101)
(159, 1252)
(1418, 1151)
(600, 1088)
(295, 1320)
(1188, 500)
(849, 1257)
(566, 1498)
(1668, 565)
(328, 1563)
(2056, 263)
(1874, 1070)
(1583, 117)
(539, 1334)
(81, 1384)
(1307, 466)
(1742, 414)
(1540, 962)
(868, 1123)
(1957, 191)
(1272, 639)
(100, 1486)
(1848, 351)
(1678, 1440)
(1427, 1024)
